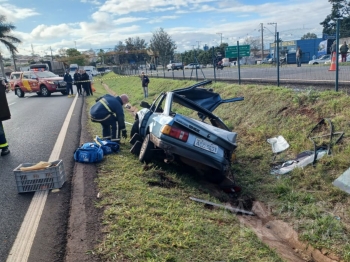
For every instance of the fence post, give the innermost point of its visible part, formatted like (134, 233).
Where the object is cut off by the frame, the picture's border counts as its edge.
(239, 64)
(278, 57)
(183, 67)
(213, 56)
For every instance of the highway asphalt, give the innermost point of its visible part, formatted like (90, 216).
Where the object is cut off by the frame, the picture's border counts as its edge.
(31, 133)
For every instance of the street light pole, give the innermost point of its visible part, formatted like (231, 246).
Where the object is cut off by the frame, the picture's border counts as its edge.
(220, 37)
(198, 43)
(274, 56)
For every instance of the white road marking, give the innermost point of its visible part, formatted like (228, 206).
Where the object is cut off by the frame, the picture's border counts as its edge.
(12, 104)
(21, 248)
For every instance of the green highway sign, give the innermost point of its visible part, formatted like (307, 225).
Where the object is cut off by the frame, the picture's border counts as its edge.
(231, 51)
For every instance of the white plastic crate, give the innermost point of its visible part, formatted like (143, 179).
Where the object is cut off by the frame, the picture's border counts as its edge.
(48, 178)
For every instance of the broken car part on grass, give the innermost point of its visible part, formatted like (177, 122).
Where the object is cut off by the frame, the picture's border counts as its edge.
(323, 138)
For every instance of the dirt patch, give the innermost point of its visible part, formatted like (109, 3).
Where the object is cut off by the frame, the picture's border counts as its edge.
(163, 181)
(281, 237)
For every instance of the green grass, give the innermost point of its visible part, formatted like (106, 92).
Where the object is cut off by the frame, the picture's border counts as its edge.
(144, 222)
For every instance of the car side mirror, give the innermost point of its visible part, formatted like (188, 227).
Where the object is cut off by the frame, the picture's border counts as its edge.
(144, 104)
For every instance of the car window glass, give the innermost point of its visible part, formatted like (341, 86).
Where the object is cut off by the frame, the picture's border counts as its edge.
(26, 76)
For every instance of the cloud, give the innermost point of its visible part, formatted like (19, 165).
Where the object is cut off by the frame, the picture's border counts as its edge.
(122, 7)
(94, 2)
(50, 32)
(161, 19)
(13, 13)
(127, 20)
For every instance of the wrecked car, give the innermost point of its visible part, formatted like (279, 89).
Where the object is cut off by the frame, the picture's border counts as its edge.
(180, 126)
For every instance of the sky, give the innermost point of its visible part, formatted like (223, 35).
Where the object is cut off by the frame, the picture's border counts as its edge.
(45, 26)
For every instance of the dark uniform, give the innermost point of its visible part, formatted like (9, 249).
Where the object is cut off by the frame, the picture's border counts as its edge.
(69, 80)
(107, 111)
(77, 79)
(4, 115)
(86, 83)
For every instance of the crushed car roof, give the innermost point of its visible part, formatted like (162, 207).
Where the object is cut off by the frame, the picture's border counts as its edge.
(206, 98)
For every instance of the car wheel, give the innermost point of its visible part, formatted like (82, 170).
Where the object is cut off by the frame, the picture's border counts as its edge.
(135, 128)
(64, 93)
(19, 92)
(45, 91)
(38, 93)
(315, 63)
(146, 150)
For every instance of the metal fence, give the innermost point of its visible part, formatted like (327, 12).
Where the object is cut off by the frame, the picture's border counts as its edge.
(308, 75)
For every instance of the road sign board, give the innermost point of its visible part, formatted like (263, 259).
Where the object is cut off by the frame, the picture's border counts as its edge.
(232, 51)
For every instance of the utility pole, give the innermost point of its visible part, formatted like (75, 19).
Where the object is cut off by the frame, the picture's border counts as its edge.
(276, 42)
(32, 50)
(75, 42)
(262, 41)
(51, 54)
(198, 43)
(221, 38)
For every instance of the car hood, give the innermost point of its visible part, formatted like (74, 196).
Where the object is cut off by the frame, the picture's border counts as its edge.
(51, 78)
(206, 98)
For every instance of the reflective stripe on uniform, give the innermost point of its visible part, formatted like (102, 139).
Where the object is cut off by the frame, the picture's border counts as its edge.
(104, 103)
(4, 145)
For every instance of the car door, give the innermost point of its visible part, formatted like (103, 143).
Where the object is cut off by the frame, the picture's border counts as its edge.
(34, 82)
(26, 82)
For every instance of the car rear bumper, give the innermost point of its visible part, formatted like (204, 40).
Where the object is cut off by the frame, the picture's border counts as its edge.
(205, 158)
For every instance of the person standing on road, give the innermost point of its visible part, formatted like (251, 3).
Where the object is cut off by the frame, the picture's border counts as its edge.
(299, 54)
(4, 115)
(90, 84)
(344, 51)
(86, 80)
(69, 80)
(107, 111)
(77, 79)
(145, 82)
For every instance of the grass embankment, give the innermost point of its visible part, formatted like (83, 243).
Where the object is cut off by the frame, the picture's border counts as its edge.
(148, 216)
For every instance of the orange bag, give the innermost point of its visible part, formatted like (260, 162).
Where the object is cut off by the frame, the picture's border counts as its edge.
(93, 88)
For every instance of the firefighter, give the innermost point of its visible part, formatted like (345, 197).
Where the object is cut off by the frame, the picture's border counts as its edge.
(4, 115)
(107, 111)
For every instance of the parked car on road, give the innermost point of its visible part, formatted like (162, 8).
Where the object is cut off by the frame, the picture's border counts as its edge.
(320, 60)
(174, 66)
(192, 66)
(180, 126)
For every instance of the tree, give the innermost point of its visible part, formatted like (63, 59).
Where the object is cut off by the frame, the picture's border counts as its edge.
(309, 36)
(62, 52)
(162, 43)
(74, 57)
(255, 44)
(7, 39)
(340, 10)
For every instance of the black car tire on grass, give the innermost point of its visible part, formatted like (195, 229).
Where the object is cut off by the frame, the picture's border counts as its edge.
(146, 150)
(134, 128)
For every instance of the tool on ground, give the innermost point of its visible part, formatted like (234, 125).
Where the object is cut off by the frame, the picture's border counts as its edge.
(233, 209)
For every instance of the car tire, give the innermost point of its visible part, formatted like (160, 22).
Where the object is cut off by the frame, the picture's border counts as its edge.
(64, 93)
(38, 93)
(136, 148)
(135, 128)
(45, 91)
(145, 155)
(19, 92)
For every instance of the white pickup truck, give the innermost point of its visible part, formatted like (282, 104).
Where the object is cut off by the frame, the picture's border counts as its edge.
(174, 65)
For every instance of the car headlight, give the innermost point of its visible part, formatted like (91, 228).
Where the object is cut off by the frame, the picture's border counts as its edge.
(51, 82)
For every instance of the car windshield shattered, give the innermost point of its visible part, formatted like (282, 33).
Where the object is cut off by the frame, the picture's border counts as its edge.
(45, 74)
